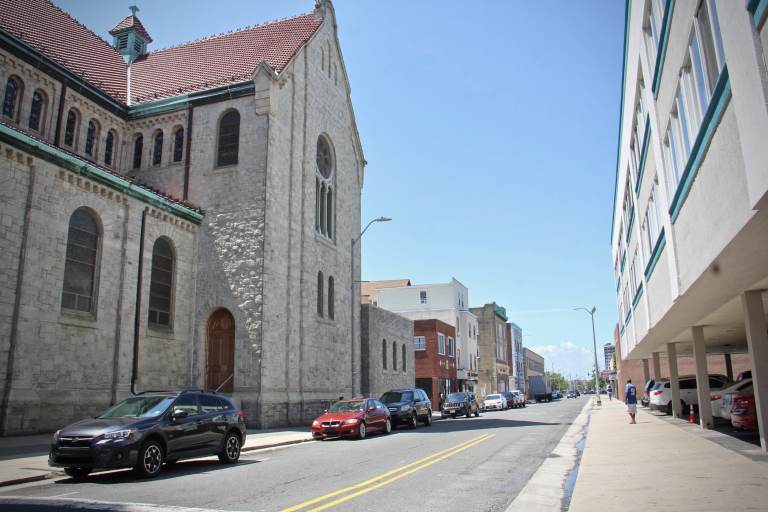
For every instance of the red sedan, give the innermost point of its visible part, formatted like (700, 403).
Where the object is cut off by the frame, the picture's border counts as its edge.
(352, 418)
(743, 414)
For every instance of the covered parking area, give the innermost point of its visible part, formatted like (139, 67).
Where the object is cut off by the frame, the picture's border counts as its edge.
(723, 312)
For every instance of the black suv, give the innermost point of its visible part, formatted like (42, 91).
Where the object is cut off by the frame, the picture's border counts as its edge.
(408, 406)
(460, 403)
(148, 429)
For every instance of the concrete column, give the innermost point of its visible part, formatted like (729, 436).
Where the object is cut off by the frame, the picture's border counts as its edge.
(728, 367)
(702, 377)
(674, 383)
(757, 343)
(646, 372)
(656, 367)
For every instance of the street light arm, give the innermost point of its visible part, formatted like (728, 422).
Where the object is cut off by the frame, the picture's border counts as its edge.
(378, 219)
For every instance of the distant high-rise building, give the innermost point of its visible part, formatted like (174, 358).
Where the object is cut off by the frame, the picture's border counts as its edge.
(608, 350)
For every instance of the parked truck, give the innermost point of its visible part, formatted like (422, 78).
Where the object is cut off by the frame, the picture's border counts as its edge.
(539, 388)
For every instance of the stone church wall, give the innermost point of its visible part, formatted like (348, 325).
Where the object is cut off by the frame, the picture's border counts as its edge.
(309, 358)
(70, 365)
(231, 244)
(376, 326)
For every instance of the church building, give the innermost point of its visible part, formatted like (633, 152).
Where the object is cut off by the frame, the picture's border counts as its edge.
(175, 218)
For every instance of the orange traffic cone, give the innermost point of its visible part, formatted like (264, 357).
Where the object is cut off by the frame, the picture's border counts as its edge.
(692, 416)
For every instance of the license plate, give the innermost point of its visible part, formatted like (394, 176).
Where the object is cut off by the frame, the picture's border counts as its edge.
(330, 431)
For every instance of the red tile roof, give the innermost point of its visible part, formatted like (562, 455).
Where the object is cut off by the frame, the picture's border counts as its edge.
(198, 65)
(54, 33)
(131, 22)
(220, 59)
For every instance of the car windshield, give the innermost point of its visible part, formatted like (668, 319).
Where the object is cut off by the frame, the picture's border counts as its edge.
(391, 397)
(492, 397)
(356, 405)
(140, 407)
(456, 397)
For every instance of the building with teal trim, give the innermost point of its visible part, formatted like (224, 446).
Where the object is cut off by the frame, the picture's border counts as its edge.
(692, 186)
(176, 217)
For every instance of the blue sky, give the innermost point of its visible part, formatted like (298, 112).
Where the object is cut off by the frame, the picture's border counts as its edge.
(490, 129)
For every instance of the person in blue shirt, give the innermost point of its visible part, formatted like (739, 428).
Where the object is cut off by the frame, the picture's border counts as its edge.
(630, 392)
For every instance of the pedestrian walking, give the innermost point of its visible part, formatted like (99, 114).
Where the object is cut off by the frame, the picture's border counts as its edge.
(610, 393)
(631, 400)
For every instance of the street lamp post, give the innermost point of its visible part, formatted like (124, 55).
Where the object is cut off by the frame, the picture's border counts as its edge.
(353, 352)
(591, 313)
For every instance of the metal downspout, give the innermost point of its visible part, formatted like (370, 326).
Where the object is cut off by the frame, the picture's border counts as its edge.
(137, 312)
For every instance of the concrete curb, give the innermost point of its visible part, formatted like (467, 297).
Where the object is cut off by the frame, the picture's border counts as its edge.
(276, 445)
(545, 490)
(27, 479)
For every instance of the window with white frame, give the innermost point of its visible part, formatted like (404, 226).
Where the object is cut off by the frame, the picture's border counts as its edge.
(451, 346)
(636, 272)
(441, 343)
(652, 220)
(654, 17)
(420, 343)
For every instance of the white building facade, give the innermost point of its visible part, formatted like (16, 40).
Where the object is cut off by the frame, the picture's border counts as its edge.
(690, 222)
(446, 302)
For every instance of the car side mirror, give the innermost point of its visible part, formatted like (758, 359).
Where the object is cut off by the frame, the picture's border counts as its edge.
(178, 414)
(372, 408)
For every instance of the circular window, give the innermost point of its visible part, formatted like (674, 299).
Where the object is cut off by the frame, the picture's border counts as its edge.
(324, 159)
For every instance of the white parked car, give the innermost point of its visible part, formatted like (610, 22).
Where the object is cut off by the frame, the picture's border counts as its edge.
(494, 402)
(661, 394)
(728, 397)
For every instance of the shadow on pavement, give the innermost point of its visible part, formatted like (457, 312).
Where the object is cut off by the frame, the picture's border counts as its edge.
(180, 469)
(481, 423)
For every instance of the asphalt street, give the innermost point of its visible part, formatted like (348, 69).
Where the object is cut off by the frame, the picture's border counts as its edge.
(477, 464)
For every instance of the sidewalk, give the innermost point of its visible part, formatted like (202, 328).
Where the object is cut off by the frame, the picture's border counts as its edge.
(25, 458)
(661, 465)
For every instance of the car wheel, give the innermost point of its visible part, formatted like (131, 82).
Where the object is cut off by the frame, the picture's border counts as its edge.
(150, 461)
(453, 415)
(362, 431)
(669, 408)
(231, 452)
(78, 473)
(388, 427)
(412, 421)
(469, 413)
(477, 413)
(428, 419)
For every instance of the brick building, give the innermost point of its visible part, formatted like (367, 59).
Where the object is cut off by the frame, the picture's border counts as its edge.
(435, 345)
(229, 268)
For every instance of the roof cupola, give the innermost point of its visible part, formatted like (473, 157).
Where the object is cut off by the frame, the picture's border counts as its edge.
(130, 37)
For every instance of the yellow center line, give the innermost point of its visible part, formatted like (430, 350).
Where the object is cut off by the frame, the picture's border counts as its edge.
(398, 477)
(387, 474)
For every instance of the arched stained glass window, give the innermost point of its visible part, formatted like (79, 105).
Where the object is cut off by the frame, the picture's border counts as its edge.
(12, 97)
(109, 147)
(138, 148)
(70, 129)
(161, 283)
(229, 139)
(91, 137)
(37, 110)
(178, 145)
(157, 150)
(80, 264)
(320, 294)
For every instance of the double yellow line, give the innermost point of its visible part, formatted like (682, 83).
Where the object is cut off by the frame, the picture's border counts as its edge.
(385, 478)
